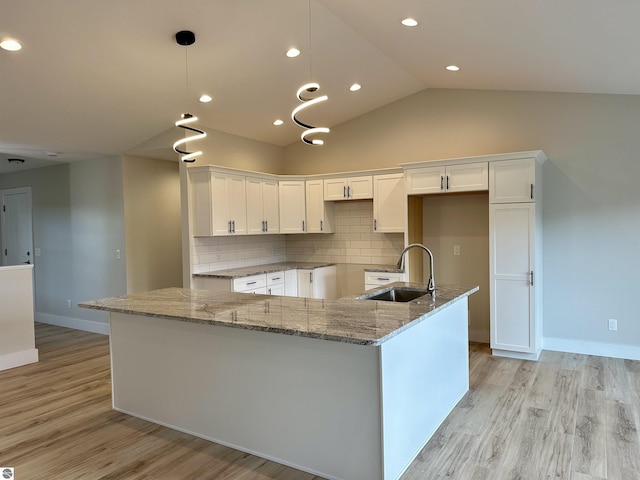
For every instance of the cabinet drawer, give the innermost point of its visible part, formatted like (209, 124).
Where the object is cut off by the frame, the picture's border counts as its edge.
(249, 283)
(275, 278)
(382, 278)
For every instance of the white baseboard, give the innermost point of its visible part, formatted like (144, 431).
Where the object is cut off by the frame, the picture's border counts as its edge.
(600, 349)
(17, 359)
(480, 336)
(70, 322)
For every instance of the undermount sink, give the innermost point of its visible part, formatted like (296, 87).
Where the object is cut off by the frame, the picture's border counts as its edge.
(396, 294)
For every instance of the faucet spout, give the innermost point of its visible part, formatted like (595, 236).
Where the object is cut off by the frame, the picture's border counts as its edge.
(431, 286)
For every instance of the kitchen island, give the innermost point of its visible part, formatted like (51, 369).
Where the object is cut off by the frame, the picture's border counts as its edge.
(345, 389)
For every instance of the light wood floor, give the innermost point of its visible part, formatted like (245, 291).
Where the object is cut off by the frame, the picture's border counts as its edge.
(564, 417)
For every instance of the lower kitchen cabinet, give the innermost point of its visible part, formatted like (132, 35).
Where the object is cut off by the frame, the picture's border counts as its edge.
(310, 283)
(317, 282)
(378, 279)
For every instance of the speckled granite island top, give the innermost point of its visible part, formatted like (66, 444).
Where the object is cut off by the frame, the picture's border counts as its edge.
(258, 269)
(350, 320)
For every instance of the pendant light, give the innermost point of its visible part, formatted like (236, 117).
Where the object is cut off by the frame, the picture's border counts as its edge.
(308, 101)
(186, 38)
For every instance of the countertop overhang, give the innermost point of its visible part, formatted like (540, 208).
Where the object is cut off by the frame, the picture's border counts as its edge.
(349, 320)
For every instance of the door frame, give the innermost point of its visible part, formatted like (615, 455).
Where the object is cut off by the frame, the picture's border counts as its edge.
(9, 191)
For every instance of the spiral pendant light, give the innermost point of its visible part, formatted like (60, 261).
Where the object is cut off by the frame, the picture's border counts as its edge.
(303, 91)
(186, 38)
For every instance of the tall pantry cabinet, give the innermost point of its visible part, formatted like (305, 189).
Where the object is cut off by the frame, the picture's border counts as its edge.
(515, 256)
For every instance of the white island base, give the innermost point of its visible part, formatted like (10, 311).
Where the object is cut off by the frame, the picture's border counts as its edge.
(334, 409)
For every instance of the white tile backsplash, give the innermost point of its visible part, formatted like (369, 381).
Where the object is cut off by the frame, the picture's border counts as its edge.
(352, 242)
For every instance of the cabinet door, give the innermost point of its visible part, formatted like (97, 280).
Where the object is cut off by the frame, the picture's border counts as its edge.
(335, 189)
(292, 206)
(467, 177)
(220, 213)
(360, 188)
(255, 216)
(319, 212)
(323, 281)
(512, 181)
(426, 180)
(388, 203)
(511, 260)
(270, 206)
(305, 283)
(237, 203)
(291, 283)
(276, 289)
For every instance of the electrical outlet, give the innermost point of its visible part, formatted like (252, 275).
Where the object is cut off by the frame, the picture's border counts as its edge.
(613, 324)
(117, 253)
(456, 249)
(68, 303)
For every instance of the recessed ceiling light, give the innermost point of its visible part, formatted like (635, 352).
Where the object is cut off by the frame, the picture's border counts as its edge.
(11, 45)
(52, 154)
(453, 68)
(205, 98)
(278, 122)
(355, 87)
(293, 52)
(409, 22)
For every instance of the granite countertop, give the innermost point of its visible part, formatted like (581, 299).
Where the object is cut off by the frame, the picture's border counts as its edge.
(258, 269)
(384, 269)
(350, 320)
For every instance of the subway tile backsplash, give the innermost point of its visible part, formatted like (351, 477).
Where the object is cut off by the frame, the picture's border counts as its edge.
(353, 241)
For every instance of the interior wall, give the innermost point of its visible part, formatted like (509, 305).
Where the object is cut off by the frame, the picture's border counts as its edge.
(151, 190)
(227, 150)
(97, 234)
(51, 234)
(591, 204)
(461, 220)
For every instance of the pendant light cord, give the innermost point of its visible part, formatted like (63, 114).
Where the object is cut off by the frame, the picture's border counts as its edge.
(309, 21)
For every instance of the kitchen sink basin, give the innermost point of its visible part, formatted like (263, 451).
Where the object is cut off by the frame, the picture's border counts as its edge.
(396, 294)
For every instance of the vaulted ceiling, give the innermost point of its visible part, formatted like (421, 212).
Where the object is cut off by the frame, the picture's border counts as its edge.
(98, 77)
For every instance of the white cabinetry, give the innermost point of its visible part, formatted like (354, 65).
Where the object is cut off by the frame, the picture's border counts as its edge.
(218, 202)
(513, 181)
(292, 206)
(348, 188)
(262, 206)
(291, 283)
(464, 177)
(378, 279)
(317, 282)
(275, 283)
(319, 213)
(515, 257)
(388, 203)
(251, 284)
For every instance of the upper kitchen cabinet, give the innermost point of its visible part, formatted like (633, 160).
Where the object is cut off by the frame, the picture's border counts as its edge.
(218, 201)
(515, 181)
(292, 206)
(348, 188)
(319, 213)
(388, 203)
(464, 177)
(263, 215)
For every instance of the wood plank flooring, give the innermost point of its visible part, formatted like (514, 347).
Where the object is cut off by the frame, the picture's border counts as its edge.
(567, 416)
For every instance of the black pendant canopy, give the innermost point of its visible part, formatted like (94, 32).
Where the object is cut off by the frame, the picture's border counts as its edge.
(185, 37)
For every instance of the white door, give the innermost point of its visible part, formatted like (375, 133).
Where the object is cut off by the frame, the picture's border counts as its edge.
(16, 227)
(270, 206)
(511, 263)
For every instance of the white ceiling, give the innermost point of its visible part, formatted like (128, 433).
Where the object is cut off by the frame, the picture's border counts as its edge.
(100, 77)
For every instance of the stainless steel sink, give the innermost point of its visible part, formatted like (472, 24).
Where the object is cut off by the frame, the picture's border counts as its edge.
(396, 294)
